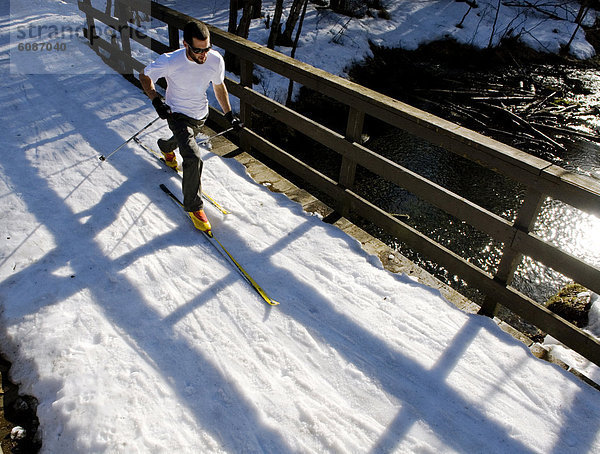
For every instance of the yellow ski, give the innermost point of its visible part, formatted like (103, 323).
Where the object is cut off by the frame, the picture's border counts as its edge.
(210, 235)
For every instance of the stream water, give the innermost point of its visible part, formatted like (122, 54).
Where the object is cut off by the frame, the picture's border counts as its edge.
(572, 230)
(558, 223)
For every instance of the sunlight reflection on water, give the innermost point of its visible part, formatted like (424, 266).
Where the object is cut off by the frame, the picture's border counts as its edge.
(568, 228)
(574, 232)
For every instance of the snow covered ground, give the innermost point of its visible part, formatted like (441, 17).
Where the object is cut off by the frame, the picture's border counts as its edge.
(136, 336)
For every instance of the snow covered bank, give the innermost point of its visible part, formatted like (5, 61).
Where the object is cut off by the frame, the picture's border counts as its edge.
(135, 336)
(331, 41)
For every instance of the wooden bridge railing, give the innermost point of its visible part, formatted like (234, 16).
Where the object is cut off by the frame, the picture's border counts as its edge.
(541, 178)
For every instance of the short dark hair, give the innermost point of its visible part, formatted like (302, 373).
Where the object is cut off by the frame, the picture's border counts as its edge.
(196, 30)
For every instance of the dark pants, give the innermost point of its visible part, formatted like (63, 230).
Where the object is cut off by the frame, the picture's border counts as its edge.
(185, 129)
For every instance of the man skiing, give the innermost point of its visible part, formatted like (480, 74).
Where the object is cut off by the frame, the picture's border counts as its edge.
(188, 72)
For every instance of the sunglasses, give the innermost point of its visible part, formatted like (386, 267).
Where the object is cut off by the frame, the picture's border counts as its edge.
(198, 50)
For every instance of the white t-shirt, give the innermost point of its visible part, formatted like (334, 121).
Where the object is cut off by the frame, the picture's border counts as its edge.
(187, 81)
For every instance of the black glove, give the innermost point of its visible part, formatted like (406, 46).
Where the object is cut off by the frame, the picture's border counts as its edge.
(235, 121)
(162, 109)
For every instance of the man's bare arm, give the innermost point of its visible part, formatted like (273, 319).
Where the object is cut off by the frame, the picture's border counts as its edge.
(162, 109)
(148, 86)
(222, 97)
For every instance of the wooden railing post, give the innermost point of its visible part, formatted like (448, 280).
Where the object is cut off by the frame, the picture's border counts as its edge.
(511, 258)
(90, 31)
(246, 76)
(354, 129)
(173, 37)
(123, 14)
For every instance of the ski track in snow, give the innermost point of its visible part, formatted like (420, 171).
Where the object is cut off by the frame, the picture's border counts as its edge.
(137, 336)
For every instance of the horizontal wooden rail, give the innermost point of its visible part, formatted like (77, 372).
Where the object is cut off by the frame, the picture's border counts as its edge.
(155, 45)
(117, 57)
(539, 176)
(455, 205)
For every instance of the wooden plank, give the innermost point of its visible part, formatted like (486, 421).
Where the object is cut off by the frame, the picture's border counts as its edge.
(173, 37)
(576, 190)
(246, 79)
(90, 31)
(354, 130)
(139, 5)
(524, 223)
(125, 31)
(511, 256)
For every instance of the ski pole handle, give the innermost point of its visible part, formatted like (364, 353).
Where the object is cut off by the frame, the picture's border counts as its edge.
(104, 158)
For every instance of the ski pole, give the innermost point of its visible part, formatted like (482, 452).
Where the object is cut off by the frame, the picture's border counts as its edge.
(104, 158)
(215, 135)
